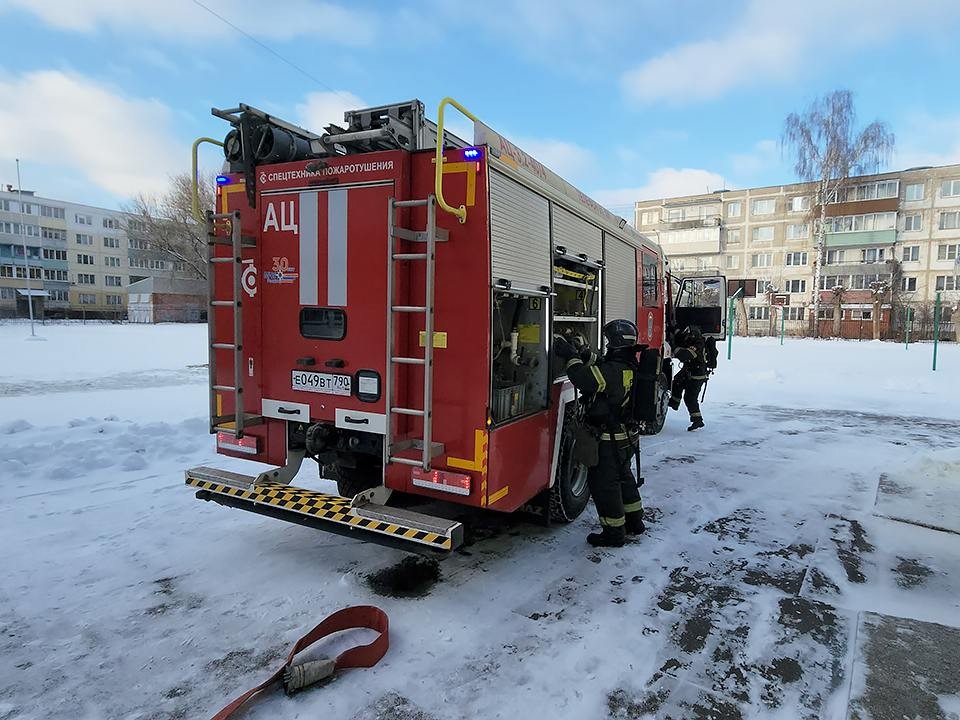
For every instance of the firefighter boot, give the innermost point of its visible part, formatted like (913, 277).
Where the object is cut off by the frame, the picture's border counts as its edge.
(696, 424)
(635, 524)
(609, 537)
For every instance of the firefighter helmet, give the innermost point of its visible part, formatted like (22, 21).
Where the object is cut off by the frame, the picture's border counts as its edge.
(620, 334)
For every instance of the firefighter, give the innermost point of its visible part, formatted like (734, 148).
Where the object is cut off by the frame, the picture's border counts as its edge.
(607, 439)
(698, 357)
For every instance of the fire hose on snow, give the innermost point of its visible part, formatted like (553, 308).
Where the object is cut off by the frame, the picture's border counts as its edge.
(296, 677)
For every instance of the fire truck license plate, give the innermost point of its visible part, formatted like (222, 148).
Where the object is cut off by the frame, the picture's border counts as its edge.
(322, 382)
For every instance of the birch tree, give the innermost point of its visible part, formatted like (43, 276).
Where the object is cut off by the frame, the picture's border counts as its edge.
(166, 222)
(878, 293)
(826, 150)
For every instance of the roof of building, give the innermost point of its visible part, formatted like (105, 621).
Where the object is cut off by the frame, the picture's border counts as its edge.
(169, 286)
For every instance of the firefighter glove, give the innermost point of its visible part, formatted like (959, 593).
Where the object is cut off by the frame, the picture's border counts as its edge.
(563, 349)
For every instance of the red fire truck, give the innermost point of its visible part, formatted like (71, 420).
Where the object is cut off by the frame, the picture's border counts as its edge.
(384, 297)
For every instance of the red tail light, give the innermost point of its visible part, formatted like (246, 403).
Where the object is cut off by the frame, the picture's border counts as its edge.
(248, 445)
(441, 480)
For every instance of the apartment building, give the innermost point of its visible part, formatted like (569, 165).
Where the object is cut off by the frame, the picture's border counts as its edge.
(900, 227)
(81, 259)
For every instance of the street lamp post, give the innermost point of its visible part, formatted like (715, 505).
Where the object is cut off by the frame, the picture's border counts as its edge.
(26, 255)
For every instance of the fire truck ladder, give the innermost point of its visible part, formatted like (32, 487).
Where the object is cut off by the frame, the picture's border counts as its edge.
(429, 237)
(232, 424)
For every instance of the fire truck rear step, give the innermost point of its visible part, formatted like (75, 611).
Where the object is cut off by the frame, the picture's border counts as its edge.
(364, 520)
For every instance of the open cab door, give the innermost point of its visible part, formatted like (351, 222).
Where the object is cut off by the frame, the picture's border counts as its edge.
(702, 301)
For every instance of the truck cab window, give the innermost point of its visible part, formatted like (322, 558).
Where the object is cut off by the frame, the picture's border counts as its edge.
(520, 363)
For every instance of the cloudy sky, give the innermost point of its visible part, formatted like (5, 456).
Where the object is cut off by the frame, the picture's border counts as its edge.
(629, 99)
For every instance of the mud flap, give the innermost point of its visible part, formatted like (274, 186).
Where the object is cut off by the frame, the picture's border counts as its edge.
(394, 527)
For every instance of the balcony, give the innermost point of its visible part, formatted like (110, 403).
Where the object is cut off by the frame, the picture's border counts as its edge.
(705, 221)
(696, 240)
(863, 237)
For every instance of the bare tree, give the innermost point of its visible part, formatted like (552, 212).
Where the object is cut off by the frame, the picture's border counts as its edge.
(838, 293)
(166, 222)
(827, 150)
(879, 289)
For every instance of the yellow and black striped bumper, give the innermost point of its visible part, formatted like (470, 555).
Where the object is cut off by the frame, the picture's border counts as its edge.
(376, 523)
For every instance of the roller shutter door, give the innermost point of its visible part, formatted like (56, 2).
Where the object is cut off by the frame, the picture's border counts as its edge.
(576, 234)
(519, 234)
(620, 287)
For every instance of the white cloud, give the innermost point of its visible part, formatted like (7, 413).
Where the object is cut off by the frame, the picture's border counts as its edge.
(664, 182)
(928, 140)
(183, 19)
(774, 41)
(568, 160)
(320, 109)
(120, 144)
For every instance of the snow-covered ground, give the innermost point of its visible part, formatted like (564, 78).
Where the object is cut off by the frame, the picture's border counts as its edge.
(777, 578)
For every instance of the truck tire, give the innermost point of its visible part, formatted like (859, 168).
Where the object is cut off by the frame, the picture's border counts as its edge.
(353, 480)
(570, 494)
(663, 407)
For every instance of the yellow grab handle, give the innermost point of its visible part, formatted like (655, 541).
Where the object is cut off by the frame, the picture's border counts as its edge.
(194, 184)
(460, 212)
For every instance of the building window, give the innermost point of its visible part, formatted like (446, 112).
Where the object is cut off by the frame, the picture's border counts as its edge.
(733, 262)
(913, 222)
(834, 257)
(795, 258)
(111, 223)
(59, 295)
(111, 242)
(759, 312)
(825, 313)
(86, 299)
(83, 219)
(84, 239)
(908, 284)
(51, 254)
(114, 300)
(11, 228)
(111, 261)
(949, 220)
(763, 234)
(801, 203)
(19, 272)
(53, 234)
(872, 255)
(56, 275)
(86, 279)
(759, 260)
(870, 191)
(947, 252)
(113, 281)
(950, 188)
(84, 259)
(649, 217)
(946, 282)
(766, 206)
(734, 209)
(138, 244)
(858, 223)
(51, 212)
(795, 313)
(914, 191)
(798, 231)
(911, 253)
(733, 237)
(858, 282)
(796, 286)
(8, 293)
(137, 225)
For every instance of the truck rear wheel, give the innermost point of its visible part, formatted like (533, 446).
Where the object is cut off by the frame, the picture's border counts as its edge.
(352, 480)
(570, 494)
(663, 407)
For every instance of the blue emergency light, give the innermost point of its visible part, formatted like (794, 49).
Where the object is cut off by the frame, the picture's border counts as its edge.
(223, 180)
(471, 153)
